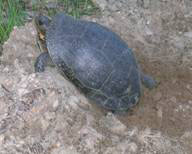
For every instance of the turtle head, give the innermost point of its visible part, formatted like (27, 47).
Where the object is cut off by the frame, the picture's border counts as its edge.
(42, 23)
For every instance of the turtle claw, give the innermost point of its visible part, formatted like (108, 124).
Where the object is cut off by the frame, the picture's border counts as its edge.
(41, 62)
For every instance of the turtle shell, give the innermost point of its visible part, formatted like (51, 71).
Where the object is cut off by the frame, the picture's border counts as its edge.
(96, 60)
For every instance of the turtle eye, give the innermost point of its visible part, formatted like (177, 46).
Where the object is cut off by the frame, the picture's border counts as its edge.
(43, 21)
(40, 23)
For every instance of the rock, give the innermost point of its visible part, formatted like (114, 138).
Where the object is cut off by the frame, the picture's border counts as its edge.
(173, 99)
(143, 3)
(140, 3)
(188, 34)
(30, 15)
(45, 124)
(55, 104)
(2, 138)
(90, 138)
(64, 150)
(101, 3)
(50, 116)
(125, 147)
(156, 142)
(186, 139)
(113, 124)
(160, 113)
(51, 5)
(190, 102)
(189, 87)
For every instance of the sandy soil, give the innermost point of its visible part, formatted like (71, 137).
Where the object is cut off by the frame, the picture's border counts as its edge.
(44, 113)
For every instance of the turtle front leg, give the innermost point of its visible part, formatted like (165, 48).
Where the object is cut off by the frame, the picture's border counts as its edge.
(148, 81)
(41, 62)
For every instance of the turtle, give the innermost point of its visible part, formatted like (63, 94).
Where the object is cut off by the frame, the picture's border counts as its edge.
(94, 58)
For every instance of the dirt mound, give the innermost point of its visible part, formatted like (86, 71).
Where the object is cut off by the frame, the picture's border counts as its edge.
(44, 113)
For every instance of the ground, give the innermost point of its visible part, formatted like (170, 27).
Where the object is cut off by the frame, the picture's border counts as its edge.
(44, 113)
(160, 34)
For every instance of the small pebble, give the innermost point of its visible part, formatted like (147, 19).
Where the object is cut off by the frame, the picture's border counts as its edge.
(55, 104)
(190, 102)
(113, 124)
(133, 147)
(157, 96)
(173, 99)
(45, 124)
(160, 113)
(188, 86)
(188, 34)
(50, 115)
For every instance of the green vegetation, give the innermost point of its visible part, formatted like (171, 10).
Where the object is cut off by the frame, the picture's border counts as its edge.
(14, 12)
(11, 14)
(78, 8)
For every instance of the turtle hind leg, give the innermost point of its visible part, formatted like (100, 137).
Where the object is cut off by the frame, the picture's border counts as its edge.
(148, 81)
(41, 62)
